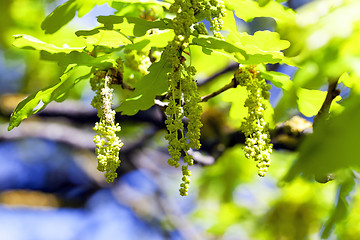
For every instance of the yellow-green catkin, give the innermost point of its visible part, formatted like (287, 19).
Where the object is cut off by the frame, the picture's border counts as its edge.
(257, 143)
(183, 94)
(108, 144)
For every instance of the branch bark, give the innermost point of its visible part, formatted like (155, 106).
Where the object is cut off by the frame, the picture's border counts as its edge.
(332, 93)
(232, 84)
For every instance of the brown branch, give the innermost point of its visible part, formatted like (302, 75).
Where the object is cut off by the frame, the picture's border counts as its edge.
(332, 93)
(232, 84)
(232, 67)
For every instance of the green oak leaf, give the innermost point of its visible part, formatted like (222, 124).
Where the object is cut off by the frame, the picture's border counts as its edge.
(310, 101)
(28, 42)
(262, 47)
(236, 97)
(279, 80)
(38, 100)
(64, 13)
(157, 40)
(65, 55)
(151, 85)
(249, 9)
(333, 146)
(133, 26)
(211, 43)
(131, 7)
(101, 37)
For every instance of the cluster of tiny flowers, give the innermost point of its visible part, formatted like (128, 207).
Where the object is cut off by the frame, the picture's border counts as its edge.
(137, 61)
(214, 11)
(257, 143)
(108, 144)
(183, 94)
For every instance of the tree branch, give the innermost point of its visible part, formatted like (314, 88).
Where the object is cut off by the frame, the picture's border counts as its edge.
(332, 93)
(232, 84)
(230, 68)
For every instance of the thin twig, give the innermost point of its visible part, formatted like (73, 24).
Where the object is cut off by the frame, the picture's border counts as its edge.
(232, 84)
(232, 67)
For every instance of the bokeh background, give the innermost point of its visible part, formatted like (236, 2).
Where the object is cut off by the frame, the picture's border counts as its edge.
(50, 188)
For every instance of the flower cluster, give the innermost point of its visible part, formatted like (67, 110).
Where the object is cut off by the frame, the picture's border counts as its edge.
(214, 11)
(107, 142)
(183, 94)
(257, 144)
(137, 61)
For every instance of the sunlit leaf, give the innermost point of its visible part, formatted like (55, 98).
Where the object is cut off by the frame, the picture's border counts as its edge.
(100, 37)
(236, 97)
(64, 56)
(144, 2)
(279, 80)
(64, 13)
(262, 47)
(248, 10)
(334, 144)
(151, 85)
(158, 40)
(38, 100)
(211, 43)
(310, 101)
(29, 42)
(133, 26)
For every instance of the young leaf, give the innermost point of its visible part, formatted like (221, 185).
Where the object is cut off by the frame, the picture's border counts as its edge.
(249, 9)
(310, 101)
(101, 37)
(262, 47)
(143, 2)
(64, 56)
(333, 146)
(153, 84)
(30, 105)
(211, 43)
(236, 97)
(133, 26)
(279, 80)
(29, 42)
(157, 40)
(64, 13)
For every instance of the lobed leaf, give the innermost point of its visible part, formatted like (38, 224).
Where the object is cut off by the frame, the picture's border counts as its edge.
(133, 26)
(249, 9)
(211, 43)
(116, 3)
(279, 80)
(262, 47)
(333, 146)
(310, 101)
(28, 42)
(101, 37)
(64, 13)
(38, 100)
(64, 56)
(151, 85)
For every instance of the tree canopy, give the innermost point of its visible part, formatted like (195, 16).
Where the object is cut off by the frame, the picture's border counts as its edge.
(218, 83)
